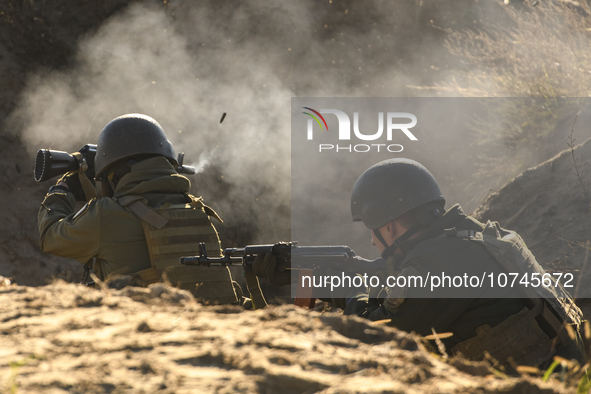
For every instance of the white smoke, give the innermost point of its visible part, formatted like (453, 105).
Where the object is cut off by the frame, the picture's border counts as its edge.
(204, 160)
(186, 63)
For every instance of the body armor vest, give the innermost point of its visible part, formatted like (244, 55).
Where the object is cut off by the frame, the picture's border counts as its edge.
(173, 231)
(530, 336)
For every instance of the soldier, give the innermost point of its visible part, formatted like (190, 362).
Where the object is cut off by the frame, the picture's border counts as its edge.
(145, 220)
(402, 205)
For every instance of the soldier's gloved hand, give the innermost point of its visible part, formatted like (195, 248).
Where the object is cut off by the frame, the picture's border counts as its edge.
(341, 295)
(72, 182)
(266, 267)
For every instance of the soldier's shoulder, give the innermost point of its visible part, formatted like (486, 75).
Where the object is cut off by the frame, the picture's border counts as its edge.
(105, 204)
(446, 250)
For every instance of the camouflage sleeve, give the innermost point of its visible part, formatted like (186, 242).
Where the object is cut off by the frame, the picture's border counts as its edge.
(415, 314)
(363, 306)
(408, 313)
(367, 303)
(65, 233)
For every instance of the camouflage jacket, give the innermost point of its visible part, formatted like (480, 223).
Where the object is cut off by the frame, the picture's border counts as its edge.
(455, 256)
(103, 228)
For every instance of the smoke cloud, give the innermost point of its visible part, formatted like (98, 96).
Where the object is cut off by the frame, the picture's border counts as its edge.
(186, 63)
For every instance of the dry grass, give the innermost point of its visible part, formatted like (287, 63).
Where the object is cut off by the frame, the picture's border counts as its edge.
(542, 55)
(546, 52)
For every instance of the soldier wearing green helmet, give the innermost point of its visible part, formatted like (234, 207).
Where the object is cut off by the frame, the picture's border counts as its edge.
(145, 220)
(401, 203)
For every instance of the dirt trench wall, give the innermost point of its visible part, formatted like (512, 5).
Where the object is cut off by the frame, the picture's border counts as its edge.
(551, 209)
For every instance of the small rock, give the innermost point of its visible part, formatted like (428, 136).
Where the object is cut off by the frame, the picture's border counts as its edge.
(144, 327)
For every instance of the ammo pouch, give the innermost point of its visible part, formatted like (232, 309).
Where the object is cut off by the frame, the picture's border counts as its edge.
(520, 336)
(173, 231)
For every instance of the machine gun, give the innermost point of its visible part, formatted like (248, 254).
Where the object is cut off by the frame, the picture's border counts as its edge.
(307, 260)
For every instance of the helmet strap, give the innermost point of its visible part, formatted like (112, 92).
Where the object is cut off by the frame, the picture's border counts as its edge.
(378, 235)
(390, 249)
(107, 190)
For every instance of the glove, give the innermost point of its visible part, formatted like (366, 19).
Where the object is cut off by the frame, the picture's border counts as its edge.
(266, 267)
(338, 295)
(72, 179)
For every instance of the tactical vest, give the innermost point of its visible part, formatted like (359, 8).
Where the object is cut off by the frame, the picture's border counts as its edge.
(173, 231)
(520, 336)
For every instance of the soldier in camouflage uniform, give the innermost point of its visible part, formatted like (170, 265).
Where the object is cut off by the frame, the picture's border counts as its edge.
(145, 220)
(402, 205)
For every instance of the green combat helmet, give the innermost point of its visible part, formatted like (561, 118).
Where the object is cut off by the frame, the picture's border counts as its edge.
(130, 135)
(393, 187)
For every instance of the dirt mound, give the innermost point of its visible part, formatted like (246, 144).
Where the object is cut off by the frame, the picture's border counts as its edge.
(548, 207)
(66, 337)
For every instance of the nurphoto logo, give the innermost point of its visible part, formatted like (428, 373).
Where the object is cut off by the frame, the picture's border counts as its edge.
(393, 123)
